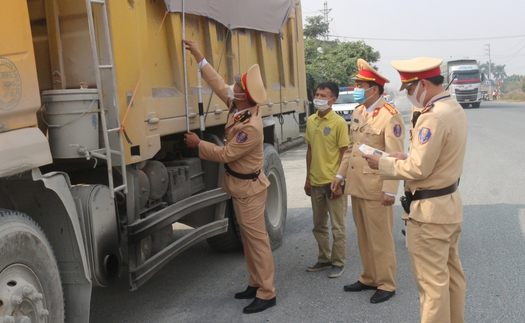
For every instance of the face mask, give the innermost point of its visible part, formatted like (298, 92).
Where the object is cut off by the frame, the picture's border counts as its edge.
(417, 102)
(359, 95)
(321, 105)
(231, 94)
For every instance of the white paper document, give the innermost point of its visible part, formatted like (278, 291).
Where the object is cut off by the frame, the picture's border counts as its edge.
(365, 149)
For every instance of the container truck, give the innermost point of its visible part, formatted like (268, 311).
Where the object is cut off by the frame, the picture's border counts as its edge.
(95, 97)
(465, 80)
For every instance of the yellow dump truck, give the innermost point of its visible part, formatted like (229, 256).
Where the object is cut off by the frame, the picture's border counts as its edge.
(95, 181)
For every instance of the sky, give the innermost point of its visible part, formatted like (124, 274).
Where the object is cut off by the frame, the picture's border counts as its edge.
(446, 29)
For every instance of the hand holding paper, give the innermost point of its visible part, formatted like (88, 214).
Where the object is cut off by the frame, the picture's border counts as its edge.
(367, 150)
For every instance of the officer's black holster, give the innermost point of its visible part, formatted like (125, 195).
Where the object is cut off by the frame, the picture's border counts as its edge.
(405, 201)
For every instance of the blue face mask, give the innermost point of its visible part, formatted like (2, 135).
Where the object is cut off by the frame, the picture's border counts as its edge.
(359, 95)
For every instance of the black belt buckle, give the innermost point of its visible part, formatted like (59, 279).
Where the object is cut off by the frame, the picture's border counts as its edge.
(256, 175)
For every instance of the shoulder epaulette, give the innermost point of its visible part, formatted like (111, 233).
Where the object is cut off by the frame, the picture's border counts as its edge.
(243, 117)
(427, 108)
(390, 109)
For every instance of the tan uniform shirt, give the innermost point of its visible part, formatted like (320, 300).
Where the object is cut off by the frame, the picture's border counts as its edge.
(382, 129)
(243, 149)
(437, 151)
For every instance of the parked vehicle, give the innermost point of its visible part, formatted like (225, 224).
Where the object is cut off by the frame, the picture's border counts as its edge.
(345, 104)
(95, 97)
(465, 80)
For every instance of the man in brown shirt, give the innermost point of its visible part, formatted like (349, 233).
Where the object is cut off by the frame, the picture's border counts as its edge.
(379, 125)
(245, 181)
(432, 170)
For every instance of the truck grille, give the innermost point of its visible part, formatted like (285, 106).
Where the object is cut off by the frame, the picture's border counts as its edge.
(470, 95)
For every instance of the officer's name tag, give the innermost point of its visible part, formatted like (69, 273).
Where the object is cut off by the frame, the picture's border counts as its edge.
(367, 150)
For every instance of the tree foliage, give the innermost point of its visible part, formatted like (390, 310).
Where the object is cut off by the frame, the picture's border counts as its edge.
(513, 83)
(332, 60)
(497, 72)
(315, 27)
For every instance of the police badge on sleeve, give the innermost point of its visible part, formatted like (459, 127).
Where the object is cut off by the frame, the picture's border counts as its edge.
(424, 135)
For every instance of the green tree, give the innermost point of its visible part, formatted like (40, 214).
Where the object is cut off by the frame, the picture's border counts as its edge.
(513, 83)
(499, 72)
(315, 27)
(332, 60)
(484, 69)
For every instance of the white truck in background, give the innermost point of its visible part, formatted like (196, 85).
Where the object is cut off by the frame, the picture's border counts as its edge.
(464, 80)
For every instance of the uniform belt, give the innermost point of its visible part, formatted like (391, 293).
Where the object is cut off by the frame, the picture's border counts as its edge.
(426, 194)
(252, 176)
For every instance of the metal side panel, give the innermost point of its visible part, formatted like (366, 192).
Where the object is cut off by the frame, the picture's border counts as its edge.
(145, 227)
(139, 275)
(22, 150)
(58, 183)
(100, 222)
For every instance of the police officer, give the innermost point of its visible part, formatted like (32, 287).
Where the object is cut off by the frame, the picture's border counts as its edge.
(243, 158)
(379, 125)
(432, 170)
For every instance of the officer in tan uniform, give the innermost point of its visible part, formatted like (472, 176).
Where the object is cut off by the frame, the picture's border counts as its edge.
(243, 158)
(379, 125)
(432, 170)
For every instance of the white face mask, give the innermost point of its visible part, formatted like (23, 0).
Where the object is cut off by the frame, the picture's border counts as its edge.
(321, 105)
(417, 102)
(231, 94)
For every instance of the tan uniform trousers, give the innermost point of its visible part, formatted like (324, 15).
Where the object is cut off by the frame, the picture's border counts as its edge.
(374, 223)
(434, 257)
(322, 205)
(257, 251)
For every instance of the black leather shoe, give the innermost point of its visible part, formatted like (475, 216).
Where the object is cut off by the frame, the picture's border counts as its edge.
(381, 296)
(358, 286)
(250, 292)
(259, 305)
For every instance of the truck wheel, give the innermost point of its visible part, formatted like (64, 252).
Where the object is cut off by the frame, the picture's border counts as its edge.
(30, 286)
(231, 239)
(276, 202)
(274, 212)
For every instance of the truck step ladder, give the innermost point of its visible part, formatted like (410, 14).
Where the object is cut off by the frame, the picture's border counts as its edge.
(107, 93)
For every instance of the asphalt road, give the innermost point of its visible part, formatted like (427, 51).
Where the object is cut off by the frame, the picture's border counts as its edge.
(198, 286)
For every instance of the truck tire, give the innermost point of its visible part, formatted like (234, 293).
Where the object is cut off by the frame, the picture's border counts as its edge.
(276, 202)
(30, 285)
(230, 240)
(274, 212)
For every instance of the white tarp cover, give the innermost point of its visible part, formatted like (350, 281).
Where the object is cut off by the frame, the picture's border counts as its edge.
(263, 15)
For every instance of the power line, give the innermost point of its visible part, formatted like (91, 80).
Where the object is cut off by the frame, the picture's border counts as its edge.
(428, 40)
(515, 54)
(517, 44)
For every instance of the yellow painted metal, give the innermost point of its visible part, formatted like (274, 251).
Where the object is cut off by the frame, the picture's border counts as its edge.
(19, 97)
(134, 30)
(141, 45)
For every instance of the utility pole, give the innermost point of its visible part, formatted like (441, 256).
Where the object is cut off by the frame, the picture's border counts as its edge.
(325, 12)
(490, 63)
